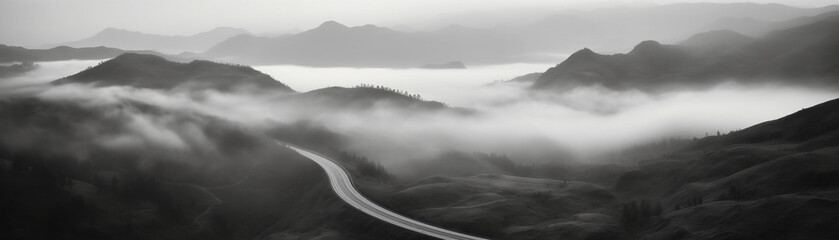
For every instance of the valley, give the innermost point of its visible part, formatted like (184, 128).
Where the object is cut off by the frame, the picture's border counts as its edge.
(536, 119)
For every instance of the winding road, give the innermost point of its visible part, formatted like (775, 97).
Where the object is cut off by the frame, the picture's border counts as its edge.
(343, 186)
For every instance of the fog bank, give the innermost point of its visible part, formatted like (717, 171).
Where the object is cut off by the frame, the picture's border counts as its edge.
(578, 124)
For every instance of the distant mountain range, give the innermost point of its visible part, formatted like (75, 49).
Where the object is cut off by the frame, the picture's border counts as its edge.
(63, 53)
(335, 45)
(806, 54)
(155, 72)
(619, 28)
(132, 40)
(332, 45)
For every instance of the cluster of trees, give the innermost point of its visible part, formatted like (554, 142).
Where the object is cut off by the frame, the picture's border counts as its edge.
(400, 92)
(722, 134)
(364, 167)
(638, 213)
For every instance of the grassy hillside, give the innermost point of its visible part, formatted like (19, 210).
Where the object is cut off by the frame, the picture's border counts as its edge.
(775, 180)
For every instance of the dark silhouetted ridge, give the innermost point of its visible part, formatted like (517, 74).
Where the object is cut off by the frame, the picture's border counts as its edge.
(154, 72)
(329, 27)
(641, 67)
(366, 97)
(717, 40)
(647, 48)
(583, 55)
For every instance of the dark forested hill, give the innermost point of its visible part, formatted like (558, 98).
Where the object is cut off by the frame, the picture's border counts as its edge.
(149, 71)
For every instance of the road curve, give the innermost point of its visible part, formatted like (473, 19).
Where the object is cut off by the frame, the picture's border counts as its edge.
(343, 186)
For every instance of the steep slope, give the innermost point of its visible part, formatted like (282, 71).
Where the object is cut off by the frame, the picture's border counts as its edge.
(813, 127)
(148, 71)
(774, 180)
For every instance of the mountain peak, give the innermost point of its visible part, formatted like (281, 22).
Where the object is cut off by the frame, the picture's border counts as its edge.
(584, 54)
(646, 47)
(331, 25)
(717, 39)
(111, 31)
(138, 58)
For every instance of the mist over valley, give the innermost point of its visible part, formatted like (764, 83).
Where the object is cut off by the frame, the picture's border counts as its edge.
(541, 120)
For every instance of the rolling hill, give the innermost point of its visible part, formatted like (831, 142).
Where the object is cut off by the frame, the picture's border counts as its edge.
(154, 72)
(774, 180)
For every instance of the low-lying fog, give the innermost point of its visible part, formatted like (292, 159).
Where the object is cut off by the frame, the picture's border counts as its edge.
(443, 85)
(510, 120)
(43, 73)
(585, 120)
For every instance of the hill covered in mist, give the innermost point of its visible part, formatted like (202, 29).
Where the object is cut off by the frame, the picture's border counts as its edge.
(765, 179)
(365, 98)
(16, 69)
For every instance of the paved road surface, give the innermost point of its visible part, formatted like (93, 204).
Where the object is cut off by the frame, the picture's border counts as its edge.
(343, 186)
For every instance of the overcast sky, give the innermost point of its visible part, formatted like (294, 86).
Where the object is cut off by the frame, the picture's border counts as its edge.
(34, 22)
